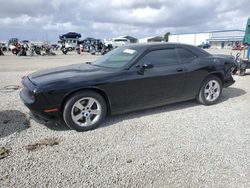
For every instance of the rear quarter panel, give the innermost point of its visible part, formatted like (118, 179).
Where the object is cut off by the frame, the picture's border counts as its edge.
(197, 71)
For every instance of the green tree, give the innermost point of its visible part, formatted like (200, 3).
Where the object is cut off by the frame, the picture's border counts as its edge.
(166, 36)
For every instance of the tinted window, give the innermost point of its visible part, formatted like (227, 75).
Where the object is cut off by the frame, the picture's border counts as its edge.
(185, 54)
(161, 57)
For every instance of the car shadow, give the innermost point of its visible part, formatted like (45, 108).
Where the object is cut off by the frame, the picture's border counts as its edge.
(56, 126)
(227, 94)
(12, 121)
(151, 111)
(231, 92)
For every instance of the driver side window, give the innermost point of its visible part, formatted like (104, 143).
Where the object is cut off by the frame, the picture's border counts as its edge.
(163, 57)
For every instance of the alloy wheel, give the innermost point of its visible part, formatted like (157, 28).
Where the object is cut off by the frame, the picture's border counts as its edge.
(212, 90)
(86, 111)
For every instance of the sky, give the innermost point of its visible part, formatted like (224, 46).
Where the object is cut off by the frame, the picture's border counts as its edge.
(47, 19)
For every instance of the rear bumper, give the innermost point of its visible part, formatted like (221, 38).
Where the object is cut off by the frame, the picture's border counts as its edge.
(229, 82)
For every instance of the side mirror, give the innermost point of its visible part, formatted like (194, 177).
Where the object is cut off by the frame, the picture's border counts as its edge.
(143, 68)
(147, 66)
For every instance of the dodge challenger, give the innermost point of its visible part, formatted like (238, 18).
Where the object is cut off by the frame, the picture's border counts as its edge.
(126, 79)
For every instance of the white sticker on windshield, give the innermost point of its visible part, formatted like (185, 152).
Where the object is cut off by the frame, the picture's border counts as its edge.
(129, 51)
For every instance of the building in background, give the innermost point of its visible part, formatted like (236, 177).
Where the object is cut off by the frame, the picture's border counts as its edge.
(4, 41)
(190, 38)
(217, 39)
(152, 39)
(131, 39)
(121, 40)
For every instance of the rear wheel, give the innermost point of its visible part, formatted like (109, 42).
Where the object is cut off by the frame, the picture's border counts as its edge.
(85, 111)
(210, 91)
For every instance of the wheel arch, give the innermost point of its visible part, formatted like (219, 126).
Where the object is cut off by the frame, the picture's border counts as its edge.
(219, 75)
(97, 90)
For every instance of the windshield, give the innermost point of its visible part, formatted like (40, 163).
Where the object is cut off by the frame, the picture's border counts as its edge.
(116, 58)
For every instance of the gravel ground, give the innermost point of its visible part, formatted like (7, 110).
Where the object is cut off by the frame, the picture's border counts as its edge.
(179, 145)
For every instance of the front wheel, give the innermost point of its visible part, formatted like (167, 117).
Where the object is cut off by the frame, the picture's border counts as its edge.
(210, 91)
(85, 111)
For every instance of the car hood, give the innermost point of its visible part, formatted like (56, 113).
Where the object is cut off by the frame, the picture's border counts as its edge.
(67, 74)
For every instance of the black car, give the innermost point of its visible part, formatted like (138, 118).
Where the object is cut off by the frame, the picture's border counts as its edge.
(204, 46)
(126, 79)
(71, 35)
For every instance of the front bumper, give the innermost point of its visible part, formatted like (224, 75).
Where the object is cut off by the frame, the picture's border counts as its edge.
(39, 118)
(43, 119)
(35, 112)
(37, 103)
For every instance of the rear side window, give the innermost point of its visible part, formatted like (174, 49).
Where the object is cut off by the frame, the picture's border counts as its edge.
(185, 55)
(161, 57)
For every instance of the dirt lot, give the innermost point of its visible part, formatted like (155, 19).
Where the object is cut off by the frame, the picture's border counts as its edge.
(178, 145)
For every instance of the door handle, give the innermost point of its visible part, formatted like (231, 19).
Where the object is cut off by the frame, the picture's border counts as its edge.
(179, 69)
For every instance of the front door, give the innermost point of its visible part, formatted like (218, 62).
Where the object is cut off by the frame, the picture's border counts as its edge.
(157, 85)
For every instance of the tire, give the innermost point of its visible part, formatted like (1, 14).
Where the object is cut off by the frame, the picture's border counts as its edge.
(80, 115)
(210, 91)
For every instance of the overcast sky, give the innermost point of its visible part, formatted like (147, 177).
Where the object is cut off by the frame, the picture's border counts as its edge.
(34, 19)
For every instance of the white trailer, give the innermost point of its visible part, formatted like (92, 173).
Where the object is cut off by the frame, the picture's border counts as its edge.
(193, 39)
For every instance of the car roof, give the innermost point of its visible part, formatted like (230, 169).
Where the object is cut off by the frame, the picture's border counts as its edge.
(159, 45)
(156, 44)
